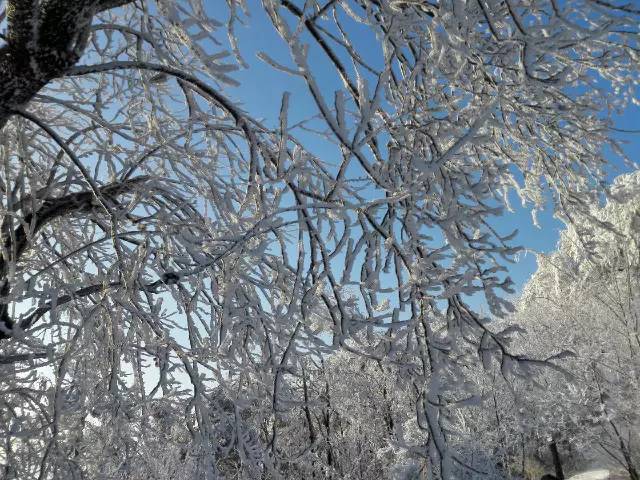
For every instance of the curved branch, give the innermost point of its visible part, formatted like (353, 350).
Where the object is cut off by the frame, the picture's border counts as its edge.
(16, 242)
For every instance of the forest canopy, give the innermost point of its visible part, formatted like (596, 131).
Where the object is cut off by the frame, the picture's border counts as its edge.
(190, 288)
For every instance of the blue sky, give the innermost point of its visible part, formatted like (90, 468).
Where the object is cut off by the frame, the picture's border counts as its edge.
(261, 87)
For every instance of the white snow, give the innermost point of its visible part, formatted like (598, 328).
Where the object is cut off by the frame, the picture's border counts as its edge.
(601, 474)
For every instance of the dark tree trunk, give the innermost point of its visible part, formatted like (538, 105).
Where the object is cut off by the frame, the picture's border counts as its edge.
(44, 40)
(307, 411)
(557, 463)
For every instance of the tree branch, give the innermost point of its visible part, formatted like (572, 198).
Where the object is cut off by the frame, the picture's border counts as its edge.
(32, 222)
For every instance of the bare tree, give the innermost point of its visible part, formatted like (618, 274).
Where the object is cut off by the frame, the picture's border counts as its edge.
(165, 251)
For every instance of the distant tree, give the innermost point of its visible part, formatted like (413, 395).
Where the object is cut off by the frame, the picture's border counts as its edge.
(161, 245)
(586, 296)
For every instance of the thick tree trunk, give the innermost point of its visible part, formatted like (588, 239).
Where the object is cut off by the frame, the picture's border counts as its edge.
(44, 40)
(557, 463)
